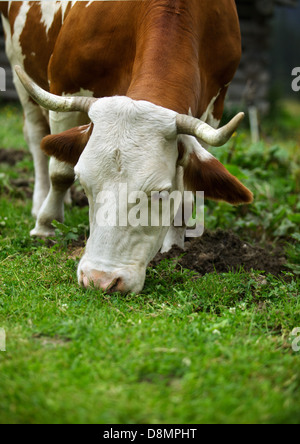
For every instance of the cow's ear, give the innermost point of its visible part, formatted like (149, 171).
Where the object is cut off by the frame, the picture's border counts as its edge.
(203, 172)
(69, 145)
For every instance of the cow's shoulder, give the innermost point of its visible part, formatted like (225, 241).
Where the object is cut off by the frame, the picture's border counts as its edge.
(101, 56)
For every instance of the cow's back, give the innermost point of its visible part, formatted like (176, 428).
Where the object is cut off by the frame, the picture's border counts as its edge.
(97, 47)
(197, 49)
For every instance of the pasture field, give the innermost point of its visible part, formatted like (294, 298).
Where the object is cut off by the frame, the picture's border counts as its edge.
(188, 350)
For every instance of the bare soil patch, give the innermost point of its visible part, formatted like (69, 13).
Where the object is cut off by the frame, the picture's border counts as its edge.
(224, 251)
(11, 156)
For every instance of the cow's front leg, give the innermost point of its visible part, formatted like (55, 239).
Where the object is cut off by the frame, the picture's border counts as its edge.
(61, 178)
(35, 128)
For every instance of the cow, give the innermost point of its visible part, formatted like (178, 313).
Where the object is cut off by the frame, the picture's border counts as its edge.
(135, 93)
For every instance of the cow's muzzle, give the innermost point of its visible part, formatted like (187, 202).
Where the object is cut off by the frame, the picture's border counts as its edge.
(103, 281)
(111, 282)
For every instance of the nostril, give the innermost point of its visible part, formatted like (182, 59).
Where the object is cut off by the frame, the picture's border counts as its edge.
(112, 285)
(85, 282)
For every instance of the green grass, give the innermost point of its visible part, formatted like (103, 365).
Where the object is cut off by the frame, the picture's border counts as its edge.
(210, 350)
(11, 126)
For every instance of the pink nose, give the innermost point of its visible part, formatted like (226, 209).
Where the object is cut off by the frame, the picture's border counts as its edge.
(103, 281)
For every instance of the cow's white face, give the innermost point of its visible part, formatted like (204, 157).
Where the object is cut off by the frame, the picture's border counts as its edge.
(133, 147)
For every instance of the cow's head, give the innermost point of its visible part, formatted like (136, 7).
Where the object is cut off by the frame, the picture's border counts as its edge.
(128, 148)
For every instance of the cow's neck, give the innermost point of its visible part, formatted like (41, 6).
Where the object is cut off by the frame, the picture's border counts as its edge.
(166, 70)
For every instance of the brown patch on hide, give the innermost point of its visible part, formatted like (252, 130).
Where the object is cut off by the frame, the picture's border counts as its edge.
(216, 181)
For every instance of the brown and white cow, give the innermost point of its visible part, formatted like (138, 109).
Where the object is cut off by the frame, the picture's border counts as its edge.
(155, 67)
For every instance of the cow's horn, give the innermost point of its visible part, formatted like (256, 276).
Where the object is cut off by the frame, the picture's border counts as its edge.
(51, 101)
(214, 137)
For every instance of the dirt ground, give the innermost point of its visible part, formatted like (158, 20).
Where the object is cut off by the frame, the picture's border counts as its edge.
(11, 156)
